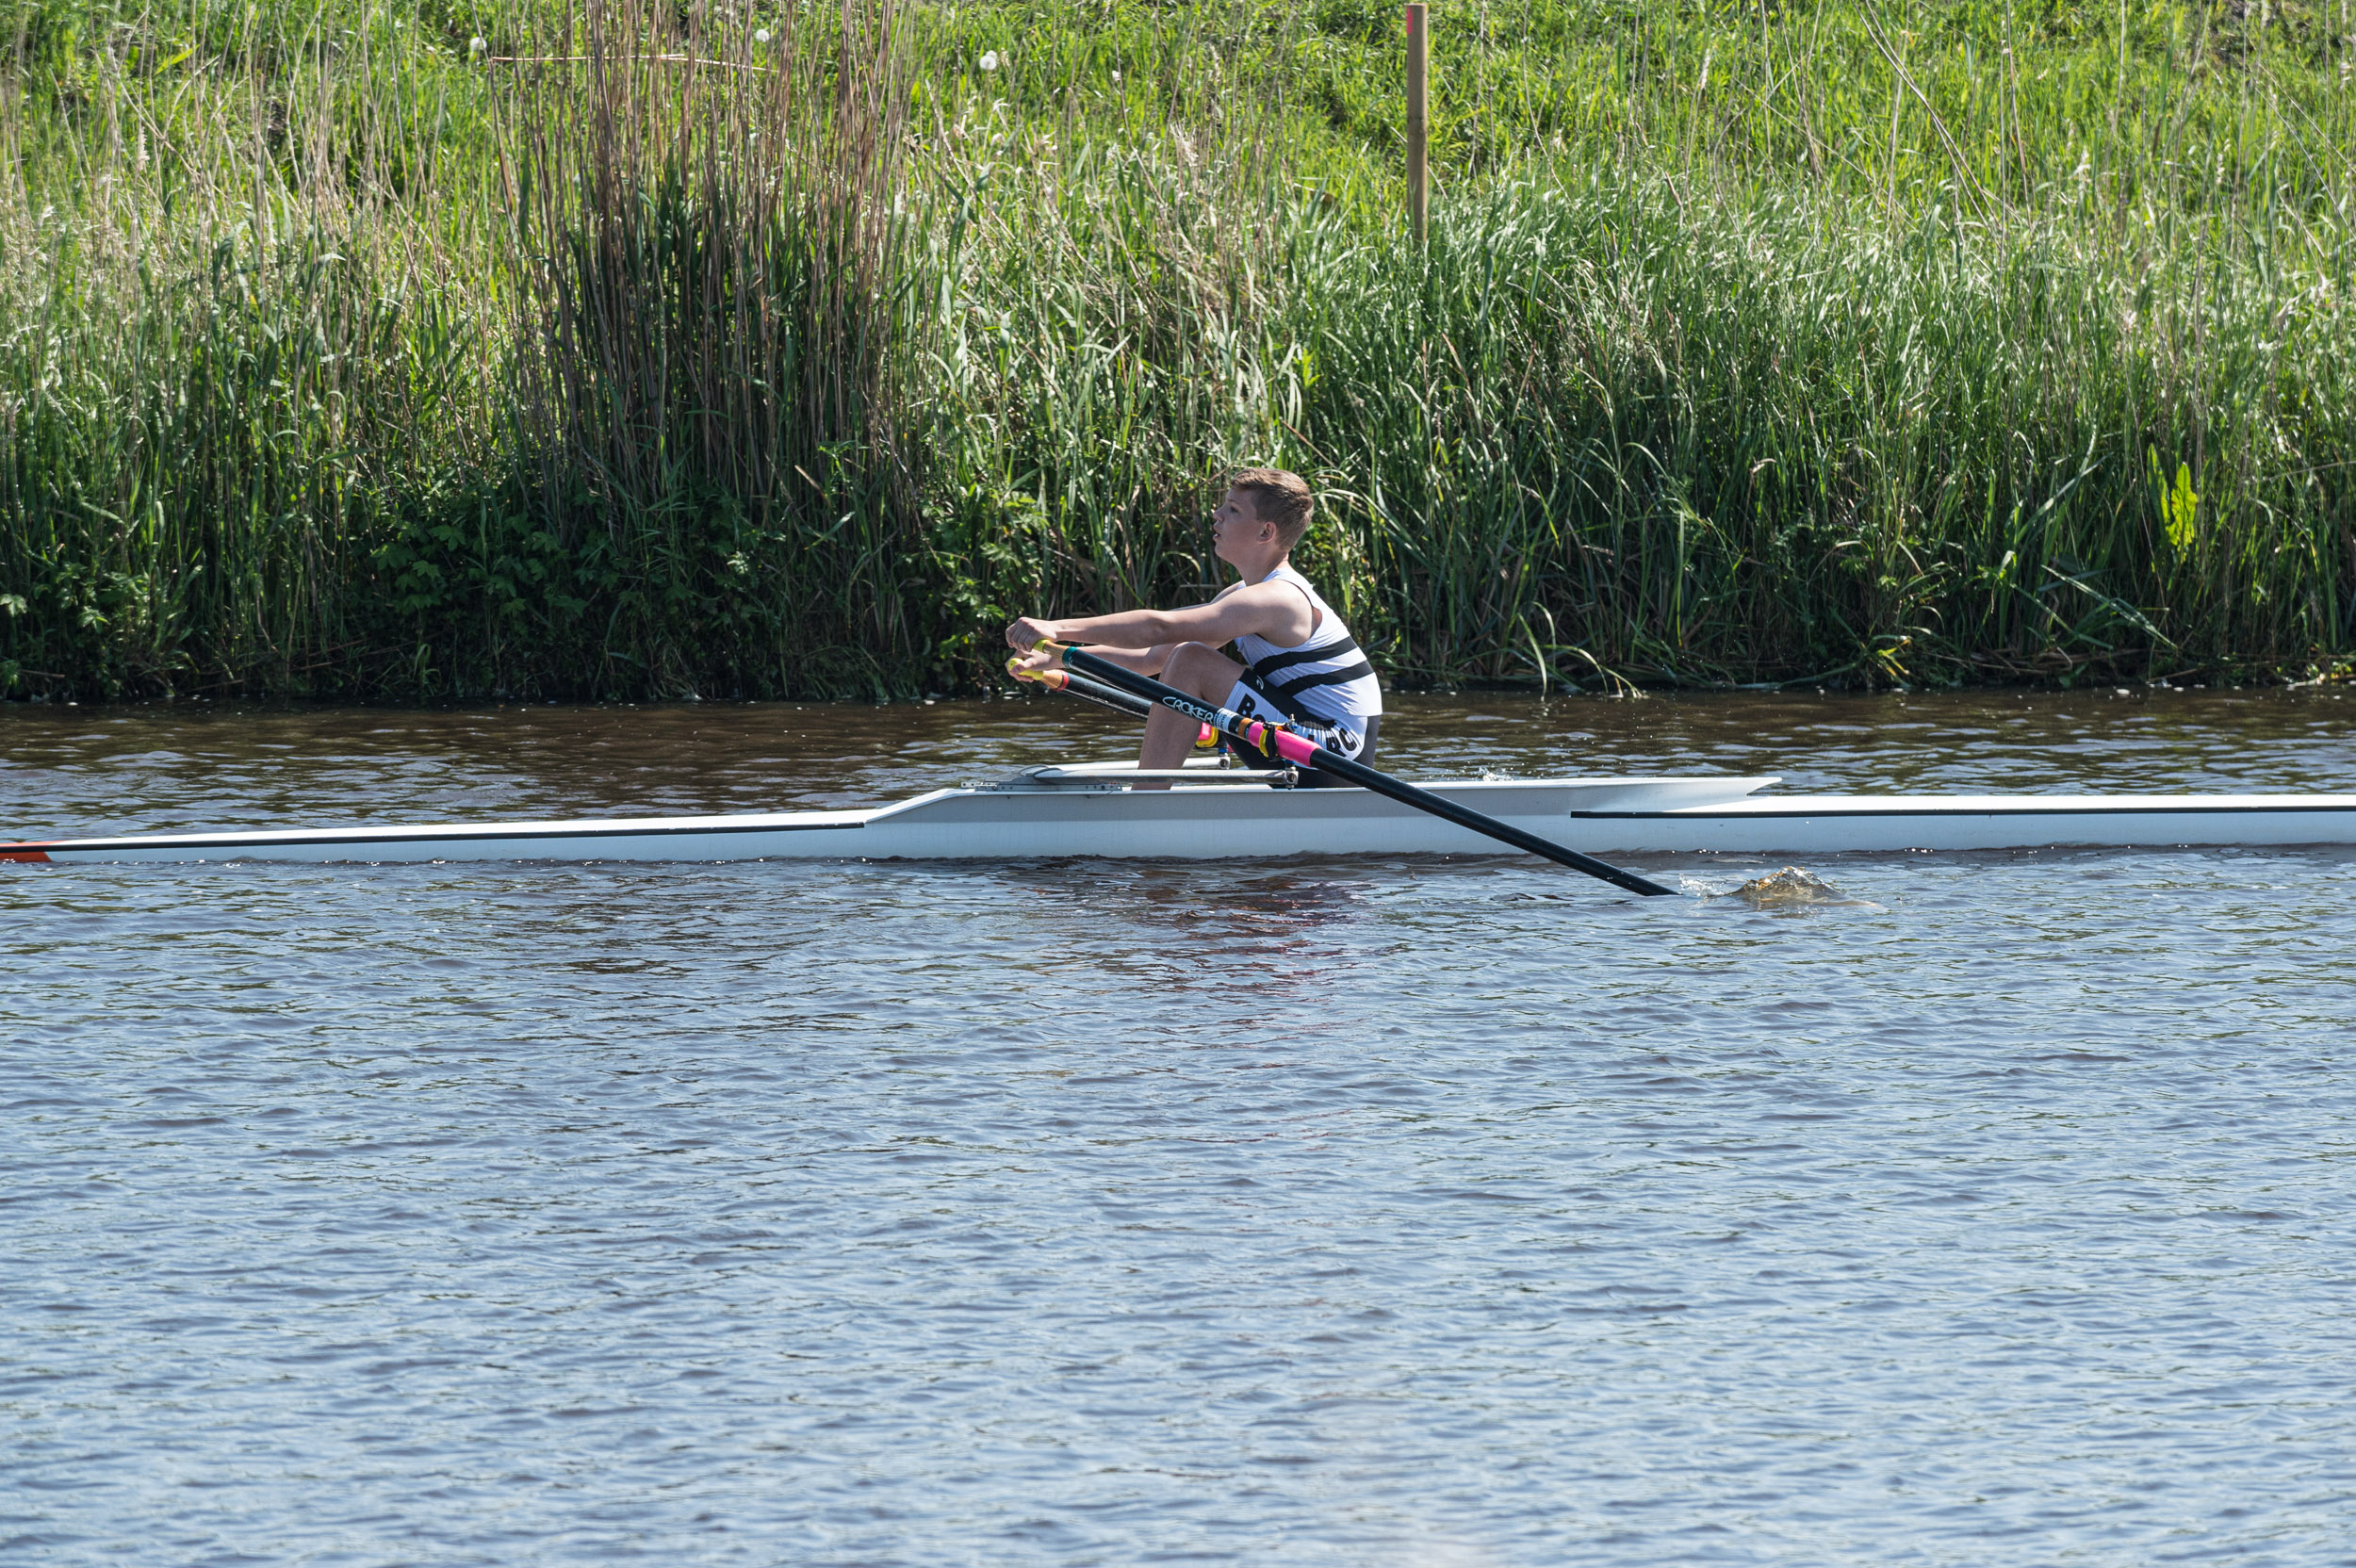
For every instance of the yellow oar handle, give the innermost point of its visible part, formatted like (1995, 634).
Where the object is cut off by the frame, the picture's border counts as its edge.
(1060, 680)
(1056, 678)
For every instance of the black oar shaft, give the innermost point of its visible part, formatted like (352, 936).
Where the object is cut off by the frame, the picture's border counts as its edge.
(1102, 695)
(1106, 696)
(1465, 816)
(1080, 660)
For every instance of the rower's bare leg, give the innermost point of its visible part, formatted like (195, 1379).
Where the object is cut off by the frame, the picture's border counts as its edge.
(1199, 672)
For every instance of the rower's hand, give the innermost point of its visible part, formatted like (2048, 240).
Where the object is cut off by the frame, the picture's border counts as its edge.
(1028, 633)
(1025, 666)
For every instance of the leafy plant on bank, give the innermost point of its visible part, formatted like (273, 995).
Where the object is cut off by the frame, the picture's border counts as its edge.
(409, 352)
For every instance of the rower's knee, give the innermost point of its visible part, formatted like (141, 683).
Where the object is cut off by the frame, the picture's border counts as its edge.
(1193, 665)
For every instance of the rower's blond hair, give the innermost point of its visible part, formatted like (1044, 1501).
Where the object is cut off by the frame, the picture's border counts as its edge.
(1279, 497)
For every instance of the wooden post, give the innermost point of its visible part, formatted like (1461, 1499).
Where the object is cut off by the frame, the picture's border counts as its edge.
(1418, 117)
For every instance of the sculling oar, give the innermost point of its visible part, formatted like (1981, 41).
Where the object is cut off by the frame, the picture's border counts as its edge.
(1098, 693)
(1303, 752)
(1086, 690)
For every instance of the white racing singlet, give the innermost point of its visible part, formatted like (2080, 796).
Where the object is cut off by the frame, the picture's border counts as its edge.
(1324, 682)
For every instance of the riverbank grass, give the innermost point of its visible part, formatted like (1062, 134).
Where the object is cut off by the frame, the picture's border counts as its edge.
(413, 352)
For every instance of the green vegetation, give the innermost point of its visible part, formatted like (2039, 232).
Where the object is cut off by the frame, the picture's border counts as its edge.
(788, 351)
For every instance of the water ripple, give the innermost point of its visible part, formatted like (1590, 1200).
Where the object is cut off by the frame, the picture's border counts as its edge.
(1389, 1213)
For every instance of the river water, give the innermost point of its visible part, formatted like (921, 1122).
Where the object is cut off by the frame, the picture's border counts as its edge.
(1449, 1212)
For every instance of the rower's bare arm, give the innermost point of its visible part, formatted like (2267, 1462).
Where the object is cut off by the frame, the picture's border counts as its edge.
(1143, 661)
(1266, 610)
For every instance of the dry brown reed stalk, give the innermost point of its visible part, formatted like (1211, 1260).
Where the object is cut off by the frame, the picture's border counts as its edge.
(720, 419)
(711, 335)
(1098, 365)
(229, 355)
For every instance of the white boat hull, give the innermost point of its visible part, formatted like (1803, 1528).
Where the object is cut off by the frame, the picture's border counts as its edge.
(1091, 813)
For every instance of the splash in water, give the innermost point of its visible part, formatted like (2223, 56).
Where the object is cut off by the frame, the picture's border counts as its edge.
(1789, 889)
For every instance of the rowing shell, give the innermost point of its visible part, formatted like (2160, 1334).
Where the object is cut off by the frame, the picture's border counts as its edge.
(1199, 814)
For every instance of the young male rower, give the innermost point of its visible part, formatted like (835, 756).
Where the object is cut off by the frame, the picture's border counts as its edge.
(1300, 663)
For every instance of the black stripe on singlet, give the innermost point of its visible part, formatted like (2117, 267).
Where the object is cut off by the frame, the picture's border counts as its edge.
(1328, 678)
(1275, 661)
(1283, 703)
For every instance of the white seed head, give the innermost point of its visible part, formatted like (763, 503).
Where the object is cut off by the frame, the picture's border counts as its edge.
(990, 61)
(760, 36)
(476, 44)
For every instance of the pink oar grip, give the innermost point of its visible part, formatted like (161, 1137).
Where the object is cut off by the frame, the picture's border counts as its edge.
(1291, 748)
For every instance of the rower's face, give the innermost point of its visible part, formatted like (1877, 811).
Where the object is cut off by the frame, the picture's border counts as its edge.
(1236, 525)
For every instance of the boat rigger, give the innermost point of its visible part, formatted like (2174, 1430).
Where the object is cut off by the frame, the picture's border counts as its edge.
(1210, 813)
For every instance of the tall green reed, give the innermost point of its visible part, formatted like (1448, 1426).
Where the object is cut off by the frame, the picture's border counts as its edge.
(714, 342)
(2035, 380)
(633, 354)
(1653, 427)
(230, 366)
(1710, 440)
